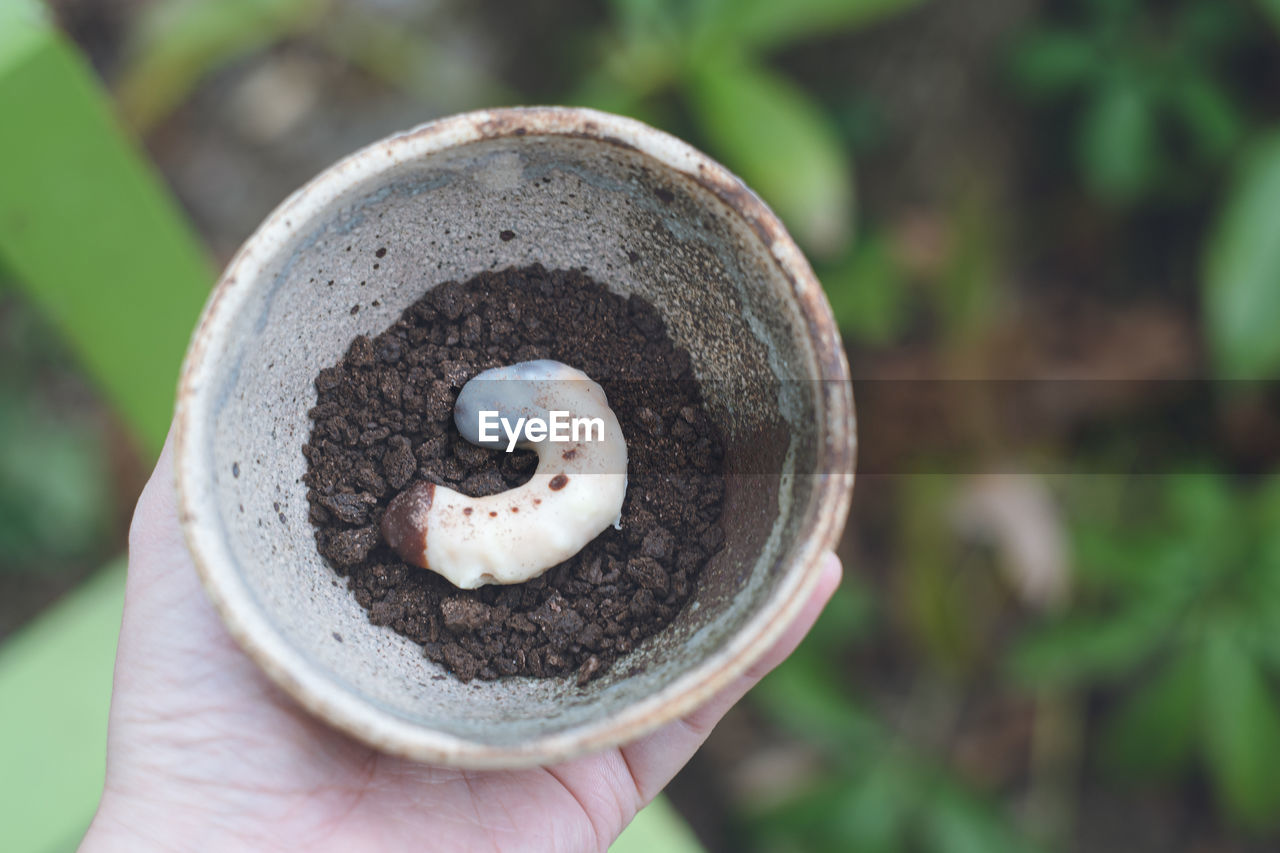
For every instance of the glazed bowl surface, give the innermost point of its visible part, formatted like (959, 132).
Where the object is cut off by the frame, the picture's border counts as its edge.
(637, 210)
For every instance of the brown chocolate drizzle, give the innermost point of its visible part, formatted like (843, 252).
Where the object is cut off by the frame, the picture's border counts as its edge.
(404, 525)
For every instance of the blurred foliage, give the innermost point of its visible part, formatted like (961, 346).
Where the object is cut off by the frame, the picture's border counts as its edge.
(1159, 117)
(1152, 108)
(1242, 268)
(946, 601)
(868, 291)
(877, 793)
(1178, 612)
(712, 54)
(769, 130)
(709, 53)
(91, 237)
(55, 683)
(177, 43)
(54, 493)
(97, 247)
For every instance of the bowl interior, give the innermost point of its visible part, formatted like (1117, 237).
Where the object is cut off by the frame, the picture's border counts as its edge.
(634, 224)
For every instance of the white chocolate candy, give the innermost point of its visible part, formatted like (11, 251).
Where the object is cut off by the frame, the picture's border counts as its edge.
(575, 493)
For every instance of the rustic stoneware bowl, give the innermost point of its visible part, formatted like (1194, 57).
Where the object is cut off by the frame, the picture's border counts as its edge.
(638, 210)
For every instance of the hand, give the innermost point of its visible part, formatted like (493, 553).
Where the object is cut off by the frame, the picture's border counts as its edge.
(205, 753)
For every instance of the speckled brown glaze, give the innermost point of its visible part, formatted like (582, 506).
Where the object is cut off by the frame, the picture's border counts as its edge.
(638, 210)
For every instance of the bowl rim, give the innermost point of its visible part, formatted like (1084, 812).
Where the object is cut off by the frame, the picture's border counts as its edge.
(312, 686)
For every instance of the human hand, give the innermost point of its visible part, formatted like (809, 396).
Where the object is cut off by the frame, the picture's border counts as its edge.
(205, 753)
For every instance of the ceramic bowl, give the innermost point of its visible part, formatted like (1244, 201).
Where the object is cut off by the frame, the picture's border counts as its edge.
(639, 211)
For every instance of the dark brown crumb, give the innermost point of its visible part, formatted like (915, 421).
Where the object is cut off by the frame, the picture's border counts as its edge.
(383, 420)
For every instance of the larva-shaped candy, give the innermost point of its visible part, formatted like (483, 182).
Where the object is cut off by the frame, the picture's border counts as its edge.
(575, 493)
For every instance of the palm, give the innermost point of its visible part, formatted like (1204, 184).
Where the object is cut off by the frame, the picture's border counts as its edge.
(197, 729)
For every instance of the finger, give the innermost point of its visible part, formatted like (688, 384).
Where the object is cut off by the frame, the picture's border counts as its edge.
(154, 530)
(168, 623)
(162, 584)
(654, 759)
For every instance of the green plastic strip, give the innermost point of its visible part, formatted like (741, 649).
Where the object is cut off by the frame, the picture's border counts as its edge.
(657, 829)
(55, 687)
(86, 228)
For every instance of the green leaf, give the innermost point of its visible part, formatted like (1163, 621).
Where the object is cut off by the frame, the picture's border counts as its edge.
(781, 142)
(862, 811)
(1154, 730)
(848, 616)
(1200, 501)
(868, 293)
(1210, 114)
(181, 41)
(812, 817)
(1205, 31)
(627, 85)
(1265, 509)
(1242, 270)
(1117, 142)
(769, 24)
(91, 235)
(23, 26)
(55, 686)
(1087, 649)
(805, 695)
(1051, 62)
(959, 823)
(1266, 504)
(1109, 561)
(658, 826)
(54, 497)
(1271, 8)
(1241, 733)
(648, 19)
(870, 819)
(1114, 19)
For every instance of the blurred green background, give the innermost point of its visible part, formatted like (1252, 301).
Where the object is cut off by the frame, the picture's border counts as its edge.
(1050, 232)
